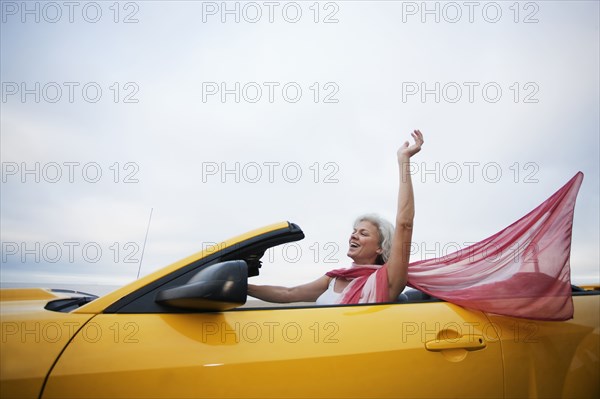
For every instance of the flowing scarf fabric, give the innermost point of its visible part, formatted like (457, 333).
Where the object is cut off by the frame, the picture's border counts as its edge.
(369, 284)
(521, 271)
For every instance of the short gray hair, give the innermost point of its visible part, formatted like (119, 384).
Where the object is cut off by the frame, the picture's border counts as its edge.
(386, 234)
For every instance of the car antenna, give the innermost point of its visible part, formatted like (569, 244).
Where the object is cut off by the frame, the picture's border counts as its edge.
(144, 246)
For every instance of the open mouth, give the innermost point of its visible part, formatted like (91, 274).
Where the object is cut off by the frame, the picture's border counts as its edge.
(354, 245)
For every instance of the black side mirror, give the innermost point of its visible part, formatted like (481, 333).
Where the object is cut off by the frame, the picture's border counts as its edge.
(221, 286)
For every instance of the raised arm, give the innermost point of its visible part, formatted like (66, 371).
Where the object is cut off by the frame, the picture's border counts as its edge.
(397, 263)
(301, 293)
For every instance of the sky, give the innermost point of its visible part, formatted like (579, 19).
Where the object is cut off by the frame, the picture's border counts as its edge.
(134, 134)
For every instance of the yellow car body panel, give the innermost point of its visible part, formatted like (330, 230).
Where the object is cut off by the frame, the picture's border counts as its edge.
(26, 294)
(32, 340)
(344, 351)
(549, 359)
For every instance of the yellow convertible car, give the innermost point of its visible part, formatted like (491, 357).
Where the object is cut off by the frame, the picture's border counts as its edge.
(187, 331)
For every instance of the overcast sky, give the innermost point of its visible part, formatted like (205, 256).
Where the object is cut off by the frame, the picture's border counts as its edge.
(198, 121)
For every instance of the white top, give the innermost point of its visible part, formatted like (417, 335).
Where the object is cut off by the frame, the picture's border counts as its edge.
(329, 297)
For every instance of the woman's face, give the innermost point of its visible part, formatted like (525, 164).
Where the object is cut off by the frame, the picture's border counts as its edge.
(364, 244)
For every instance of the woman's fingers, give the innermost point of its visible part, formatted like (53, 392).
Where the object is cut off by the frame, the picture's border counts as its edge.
(418, 136)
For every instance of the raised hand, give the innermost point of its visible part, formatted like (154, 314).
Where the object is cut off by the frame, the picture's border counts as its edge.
(406, 150)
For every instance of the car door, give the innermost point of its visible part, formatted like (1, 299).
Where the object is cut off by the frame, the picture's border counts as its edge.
(409, 350)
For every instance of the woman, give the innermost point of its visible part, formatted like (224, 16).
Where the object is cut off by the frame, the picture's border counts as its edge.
(379, 270)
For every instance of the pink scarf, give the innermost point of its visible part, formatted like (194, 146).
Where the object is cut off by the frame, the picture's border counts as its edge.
(369, 284)
(521, 271)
